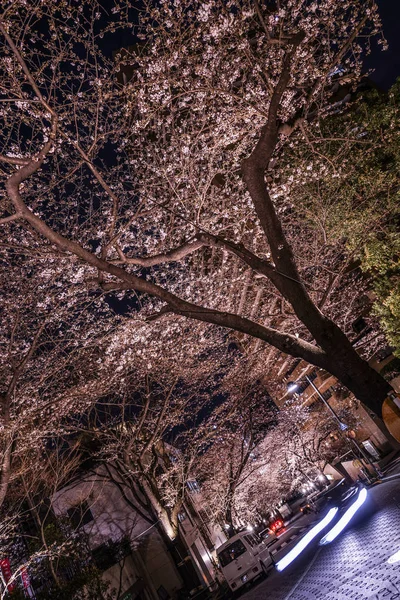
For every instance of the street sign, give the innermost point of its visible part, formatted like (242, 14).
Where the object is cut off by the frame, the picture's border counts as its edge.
(6, 570)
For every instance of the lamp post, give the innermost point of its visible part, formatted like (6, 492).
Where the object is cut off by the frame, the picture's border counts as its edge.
(292, 386)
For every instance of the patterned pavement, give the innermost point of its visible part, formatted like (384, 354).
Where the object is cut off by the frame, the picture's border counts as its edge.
(354, 566)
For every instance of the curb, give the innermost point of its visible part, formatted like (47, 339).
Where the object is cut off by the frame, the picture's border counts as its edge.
(383, 480)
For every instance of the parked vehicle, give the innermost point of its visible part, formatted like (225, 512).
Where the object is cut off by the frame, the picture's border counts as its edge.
(243, 558)
(275, 523)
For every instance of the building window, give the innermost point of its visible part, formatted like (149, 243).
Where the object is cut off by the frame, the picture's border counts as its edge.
(313, 375)
(162, 593)
(327, 394)
(251, 540)
(302, 386)
(110, 553)
(205, 515)
(80, 515)
(182, 516)
(359, 325)
(193, 486)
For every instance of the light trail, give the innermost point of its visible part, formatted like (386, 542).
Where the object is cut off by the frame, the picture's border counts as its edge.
(345, 519)
(303, 543)
(394, 558)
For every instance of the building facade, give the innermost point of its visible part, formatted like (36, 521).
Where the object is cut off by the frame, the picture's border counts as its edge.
(128, 549)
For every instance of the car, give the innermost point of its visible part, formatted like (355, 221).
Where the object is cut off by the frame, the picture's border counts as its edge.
(277, 527)
(275, 523)
(340, 495)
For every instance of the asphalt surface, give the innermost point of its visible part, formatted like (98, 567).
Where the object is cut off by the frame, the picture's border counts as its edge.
(354, 566)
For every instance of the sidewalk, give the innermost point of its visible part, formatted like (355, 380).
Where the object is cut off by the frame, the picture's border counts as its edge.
(393, 465)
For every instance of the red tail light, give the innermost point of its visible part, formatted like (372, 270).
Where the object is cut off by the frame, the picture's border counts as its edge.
(276, 525)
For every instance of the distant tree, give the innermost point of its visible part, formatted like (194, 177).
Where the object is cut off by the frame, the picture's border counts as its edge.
(160, 193)
(147, 437)
(47, 368)
(244, 475)
(228, 460)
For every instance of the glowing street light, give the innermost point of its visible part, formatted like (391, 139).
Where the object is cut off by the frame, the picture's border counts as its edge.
(293, 386)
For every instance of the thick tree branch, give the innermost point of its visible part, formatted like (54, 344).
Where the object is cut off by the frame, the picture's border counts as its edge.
(259, 265)
(172, 255)
(14, 160)
(11, 218)
(284, 342)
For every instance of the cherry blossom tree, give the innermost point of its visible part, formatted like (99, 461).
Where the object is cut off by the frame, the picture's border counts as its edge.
(44, 365)
(245, 475)
(228, 461)
(150, 438)
(162, 193)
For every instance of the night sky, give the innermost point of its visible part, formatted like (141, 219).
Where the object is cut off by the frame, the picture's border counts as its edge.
(386, 65)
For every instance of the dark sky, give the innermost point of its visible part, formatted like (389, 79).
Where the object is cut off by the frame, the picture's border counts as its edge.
(386, 65)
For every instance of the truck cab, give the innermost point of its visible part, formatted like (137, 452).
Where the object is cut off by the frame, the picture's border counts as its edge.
(243, 558)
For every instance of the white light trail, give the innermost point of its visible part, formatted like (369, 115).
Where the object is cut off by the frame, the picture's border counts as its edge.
(394, 558)
(345, 519)
(303, 543)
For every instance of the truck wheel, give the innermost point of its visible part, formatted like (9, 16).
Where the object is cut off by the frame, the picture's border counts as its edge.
(264, 569)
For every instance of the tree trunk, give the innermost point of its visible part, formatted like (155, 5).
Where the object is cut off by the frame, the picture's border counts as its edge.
(341, 359)
(228, 511)
(332, 351)
(357, 376)
(170, 528)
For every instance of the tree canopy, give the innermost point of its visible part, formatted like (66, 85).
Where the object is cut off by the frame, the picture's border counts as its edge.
(158, 195)
(175, 221)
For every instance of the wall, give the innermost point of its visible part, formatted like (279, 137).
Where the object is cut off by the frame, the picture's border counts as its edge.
(113, 519)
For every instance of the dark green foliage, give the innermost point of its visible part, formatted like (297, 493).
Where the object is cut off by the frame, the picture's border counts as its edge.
(344, 184)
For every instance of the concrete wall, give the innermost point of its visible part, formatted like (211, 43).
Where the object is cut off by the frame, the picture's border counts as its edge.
(114, 519)
(201, 539)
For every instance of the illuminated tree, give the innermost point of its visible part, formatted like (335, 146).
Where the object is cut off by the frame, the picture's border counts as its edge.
(245, 473)
(231, 457)
(48, 370)
(161, 193)
(344, 185)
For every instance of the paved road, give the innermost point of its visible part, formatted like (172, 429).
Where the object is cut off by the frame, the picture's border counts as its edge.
(354, 566)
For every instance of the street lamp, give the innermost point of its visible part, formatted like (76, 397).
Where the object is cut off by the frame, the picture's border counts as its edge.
(293, 386)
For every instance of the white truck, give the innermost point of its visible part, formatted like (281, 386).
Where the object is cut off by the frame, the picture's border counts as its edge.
(244, 557)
